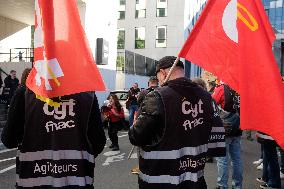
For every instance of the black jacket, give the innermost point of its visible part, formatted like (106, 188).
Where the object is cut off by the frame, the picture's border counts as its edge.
(150, 124)
(68, 137)
(12, 84)
(174, 127)
(13, 132)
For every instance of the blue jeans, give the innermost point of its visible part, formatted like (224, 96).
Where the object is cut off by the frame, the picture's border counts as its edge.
(233, 151)
(132, 110)
(271, 170)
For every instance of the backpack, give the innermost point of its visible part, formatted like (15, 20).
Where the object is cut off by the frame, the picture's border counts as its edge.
(230, 115)
(232, 100)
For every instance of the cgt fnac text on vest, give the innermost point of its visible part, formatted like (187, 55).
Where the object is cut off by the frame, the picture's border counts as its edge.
(66, 109)
(194, 110)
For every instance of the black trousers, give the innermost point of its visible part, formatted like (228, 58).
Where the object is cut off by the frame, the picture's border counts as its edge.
(112, 132)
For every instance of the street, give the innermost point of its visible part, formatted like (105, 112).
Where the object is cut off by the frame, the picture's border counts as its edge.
(113, 168)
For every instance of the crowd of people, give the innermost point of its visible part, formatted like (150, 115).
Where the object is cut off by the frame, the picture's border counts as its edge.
(177, 124)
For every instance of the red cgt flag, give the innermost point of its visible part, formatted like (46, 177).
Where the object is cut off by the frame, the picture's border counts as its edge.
(63, 62)
(233, 40)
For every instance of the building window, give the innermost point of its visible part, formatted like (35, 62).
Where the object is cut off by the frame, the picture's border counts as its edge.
(140, 9)
(122, 2)
(121, 39)
(162, 8)
(121, 10)
(140, 38)
(161, 36)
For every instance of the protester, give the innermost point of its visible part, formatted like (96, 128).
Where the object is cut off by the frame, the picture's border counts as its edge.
(259, 162)
(11, 83)
(153, 83)
(211, 86)
(131, 102)
(16, 115)
(115, 115)
(200, 82)
(57, 145)
(229, 101)
(271, 171)
(174, 143)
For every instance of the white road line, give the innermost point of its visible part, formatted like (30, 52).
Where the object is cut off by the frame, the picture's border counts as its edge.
(120, 136)
(7, 169)
(2, 160)
(7, 150)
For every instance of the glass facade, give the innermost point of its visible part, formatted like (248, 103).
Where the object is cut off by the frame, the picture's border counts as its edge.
(275, 13)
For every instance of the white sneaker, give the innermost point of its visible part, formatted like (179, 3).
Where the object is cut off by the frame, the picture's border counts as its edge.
(258, 162)
(260, 167)
(281, 175)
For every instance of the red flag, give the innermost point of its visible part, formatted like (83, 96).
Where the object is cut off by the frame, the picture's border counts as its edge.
(233, 40)
(63, 60)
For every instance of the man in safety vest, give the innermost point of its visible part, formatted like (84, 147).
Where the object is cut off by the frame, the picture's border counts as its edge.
(57, 144)
(177, 127)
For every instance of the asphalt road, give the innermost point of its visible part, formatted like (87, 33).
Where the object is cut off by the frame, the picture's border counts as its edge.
(113, 168)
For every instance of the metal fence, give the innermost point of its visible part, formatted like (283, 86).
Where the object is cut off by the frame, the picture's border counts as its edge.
(132, 63)
(17, 55)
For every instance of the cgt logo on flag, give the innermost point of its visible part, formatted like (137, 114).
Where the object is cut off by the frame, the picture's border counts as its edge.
(233, 40)
(230, 16)
(64, 63)
(46, 69)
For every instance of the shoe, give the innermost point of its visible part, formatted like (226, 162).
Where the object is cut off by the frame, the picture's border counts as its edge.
(115, 148)
(260, 180)
(260, 167)
(135, 170)
(267, 187)
(281, 175)
(258, 162)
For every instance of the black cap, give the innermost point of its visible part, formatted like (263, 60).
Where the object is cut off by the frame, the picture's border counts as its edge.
(153, 78)
(167, 62)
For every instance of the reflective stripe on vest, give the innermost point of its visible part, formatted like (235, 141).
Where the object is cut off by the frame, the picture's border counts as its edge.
(55, 182)
(56, 155)
(167, 179)
(174, 154)
(218, 130)
(217, 145)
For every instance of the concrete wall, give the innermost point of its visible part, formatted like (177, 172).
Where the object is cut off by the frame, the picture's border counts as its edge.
(174, 22)
(9, 27)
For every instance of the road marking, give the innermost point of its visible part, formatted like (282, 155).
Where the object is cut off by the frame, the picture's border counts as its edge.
(120, 136)
(7, 169)
(112, 159)
(7, 150)
(134, 156)
(111, 153)
(2, 160)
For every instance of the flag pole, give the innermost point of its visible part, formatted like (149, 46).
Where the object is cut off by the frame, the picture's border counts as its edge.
(171, 70)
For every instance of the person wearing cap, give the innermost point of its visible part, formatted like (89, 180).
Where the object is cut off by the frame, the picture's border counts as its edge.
(177, 126)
